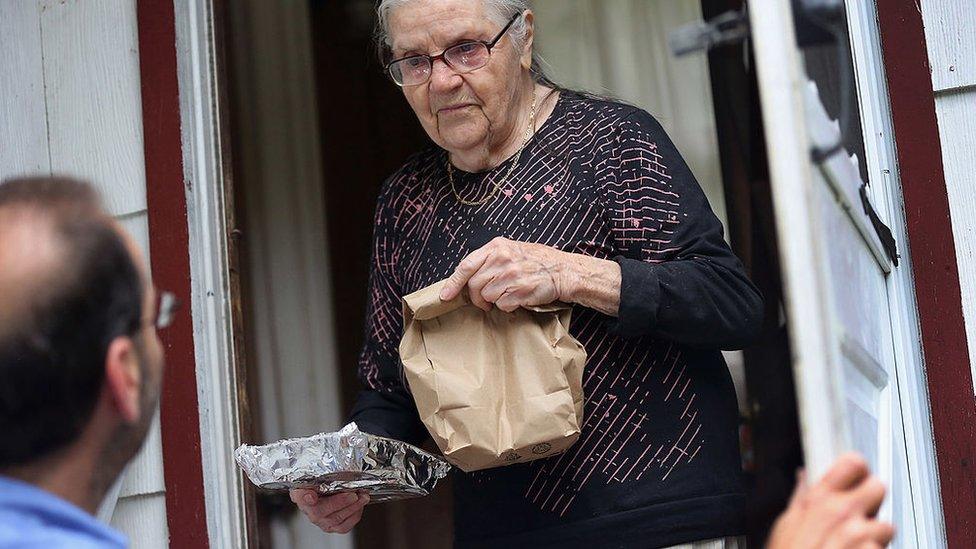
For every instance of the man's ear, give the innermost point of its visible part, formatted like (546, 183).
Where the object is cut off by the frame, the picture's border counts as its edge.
(526, 58)
(123, 378)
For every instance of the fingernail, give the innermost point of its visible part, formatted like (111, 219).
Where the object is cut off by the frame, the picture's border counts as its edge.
(444, 294)
(351, 498)
(310, 499)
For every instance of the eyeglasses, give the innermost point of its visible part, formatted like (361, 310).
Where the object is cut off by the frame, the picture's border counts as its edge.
(166, 307)
(463, 58)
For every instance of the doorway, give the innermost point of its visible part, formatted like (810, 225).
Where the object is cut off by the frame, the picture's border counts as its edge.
(316, 128)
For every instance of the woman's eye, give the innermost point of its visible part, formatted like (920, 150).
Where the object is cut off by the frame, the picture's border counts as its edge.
(466, 48)
(414, 62)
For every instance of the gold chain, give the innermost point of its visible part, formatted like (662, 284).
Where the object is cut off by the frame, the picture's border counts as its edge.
(496, 186)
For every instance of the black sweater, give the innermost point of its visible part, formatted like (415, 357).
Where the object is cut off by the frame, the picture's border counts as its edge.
(657, 462)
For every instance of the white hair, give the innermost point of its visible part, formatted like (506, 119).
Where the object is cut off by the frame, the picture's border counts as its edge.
(499, 11)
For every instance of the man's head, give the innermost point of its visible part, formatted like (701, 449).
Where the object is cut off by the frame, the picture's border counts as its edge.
(80, 362)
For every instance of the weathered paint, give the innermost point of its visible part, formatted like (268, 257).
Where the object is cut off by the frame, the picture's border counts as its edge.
(169, 248)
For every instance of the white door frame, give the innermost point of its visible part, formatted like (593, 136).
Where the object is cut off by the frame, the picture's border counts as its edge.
(209, 271)
(886, 195)
(817, 368)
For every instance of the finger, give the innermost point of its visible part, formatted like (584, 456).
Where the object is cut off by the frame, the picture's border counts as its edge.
(868, 496)
(341, 515)
(499, 286)
(303, 497)
(486, 276)
(851, 533)
(848, 471)
(474, 295)
(857, 533)
(328, 521)
(330, 505)
(509, 302)
(347, 525)
(477, 283)
(465, 269)
(480, 303)
(801, 488)
(881, 532)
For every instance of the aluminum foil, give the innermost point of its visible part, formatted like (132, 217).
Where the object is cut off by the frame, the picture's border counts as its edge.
(345, 461)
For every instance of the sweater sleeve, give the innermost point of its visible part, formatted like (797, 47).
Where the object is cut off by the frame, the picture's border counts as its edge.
(680, 280)
(385, 407)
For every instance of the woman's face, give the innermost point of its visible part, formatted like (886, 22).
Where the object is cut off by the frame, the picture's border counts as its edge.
(461, 112)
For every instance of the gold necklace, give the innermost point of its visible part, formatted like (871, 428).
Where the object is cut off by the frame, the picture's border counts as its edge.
(495, 186)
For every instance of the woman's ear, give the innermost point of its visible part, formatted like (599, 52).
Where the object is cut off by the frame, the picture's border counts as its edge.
(526, 57)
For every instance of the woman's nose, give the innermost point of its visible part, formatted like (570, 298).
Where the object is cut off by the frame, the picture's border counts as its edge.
(442, 76)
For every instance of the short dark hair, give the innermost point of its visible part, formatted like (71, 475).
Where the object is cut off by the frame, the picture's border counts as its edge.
(52, 357)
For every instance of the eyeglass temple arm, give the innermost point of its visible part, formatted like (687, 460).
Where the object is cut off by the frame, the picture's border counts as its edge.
(504, 30)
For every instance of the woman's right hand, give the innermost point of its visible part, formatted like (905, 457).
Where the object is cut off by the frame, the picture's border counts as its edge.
(333, 514)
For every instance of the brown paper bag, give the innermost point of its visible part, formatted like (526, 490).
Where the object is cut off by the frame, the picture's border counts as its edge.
(492, 388)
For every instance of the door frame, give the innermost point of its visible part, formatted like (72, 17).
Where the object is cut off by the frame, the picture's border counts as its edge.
(816, 365)
(190, 212)
(885, 190)
(937, 293)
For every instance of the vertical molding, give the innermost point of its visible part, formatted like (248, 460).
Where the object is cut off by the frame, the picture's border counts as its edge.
(170, 263)
(930, 236)
(201, 104)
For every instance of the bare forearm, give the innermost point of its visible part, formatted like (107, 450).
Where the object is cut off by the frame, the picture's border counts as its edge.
(593, 282)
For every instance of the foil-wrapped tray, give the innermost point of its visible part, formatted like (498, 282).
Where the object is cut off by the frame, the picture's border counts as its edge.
(345, 461)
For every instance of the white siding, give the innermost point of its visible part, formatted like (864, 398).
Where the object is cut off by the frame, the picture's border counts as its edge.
(70, 103)
(23, 134)
(94, 104)
(145, 514)
(950, 34)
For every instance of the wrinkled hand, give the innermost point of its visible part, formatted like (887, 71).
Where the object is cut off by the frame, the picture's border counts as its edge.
(838, 512)
(509, 275)
(333, 514)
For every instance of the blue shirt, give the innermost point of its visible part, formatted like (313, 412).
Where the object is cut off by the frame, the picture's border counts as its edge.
(31, 518)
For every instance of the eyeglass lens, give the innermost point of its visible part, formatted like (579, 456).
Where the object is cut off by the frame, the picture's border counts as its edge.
(165, 308)
(464, 57)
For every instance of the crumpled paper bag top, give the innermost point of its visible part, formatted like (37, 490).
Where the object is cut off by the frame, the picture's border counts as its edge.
(493, 388)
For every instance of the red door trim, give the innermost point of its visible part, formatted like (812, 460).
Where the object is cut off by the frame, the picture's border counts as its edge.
(932, 247)
(170, 262)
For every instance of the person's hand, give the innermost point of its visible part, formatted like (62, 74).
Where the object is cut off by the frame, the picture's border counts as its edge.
(838, 512)
(333, 514)
(509, 275)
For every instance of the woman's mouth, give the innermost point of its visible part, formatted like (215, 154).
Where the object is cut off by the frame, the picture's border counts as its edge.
(455, 108)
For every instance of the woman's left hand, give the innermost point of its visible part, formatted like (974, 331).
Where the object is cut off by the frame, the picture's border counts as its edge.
(509, 275)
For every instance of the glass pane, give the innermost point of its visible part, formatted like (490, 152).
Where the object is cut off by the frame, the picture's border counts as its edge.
(824, 66)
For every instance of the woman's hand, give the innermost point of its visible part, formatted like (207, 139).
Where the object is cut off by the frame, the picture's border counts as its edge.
(837, 513)
(508, 275)
(333, 514)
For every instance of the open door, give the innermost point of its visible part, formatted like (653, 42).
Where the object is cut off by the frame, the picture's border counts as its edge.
(845, 291)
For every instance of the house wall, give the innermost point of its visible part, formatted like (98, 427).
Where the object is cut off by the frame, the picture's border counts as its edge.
(950, 34)
(70, 103)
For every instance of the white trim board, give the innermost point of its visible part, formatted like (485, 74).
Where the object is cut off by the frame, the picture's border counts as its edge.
(209, 269)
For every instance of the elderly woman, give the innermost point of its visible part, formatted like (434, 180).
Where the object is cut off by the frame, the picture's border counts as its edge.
(536, 194)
